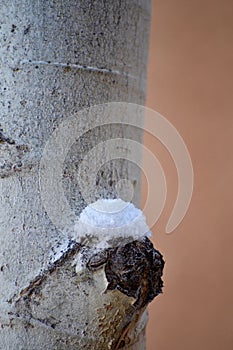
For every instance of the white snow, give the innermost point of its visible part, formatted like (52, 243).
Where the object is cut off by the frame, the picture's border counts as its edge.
(107, 219)
(101, 225)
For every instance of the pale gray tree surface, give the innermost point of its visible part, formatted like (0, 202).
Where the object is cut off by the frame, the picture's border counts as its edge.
(58, 57)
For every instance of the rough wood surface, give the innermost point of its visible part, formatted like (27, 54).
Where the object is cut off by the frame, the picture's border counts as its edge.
(57, 57)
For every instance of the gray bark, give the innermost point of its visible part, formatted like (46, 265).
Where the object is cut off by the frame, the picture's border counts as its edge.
(58, 57)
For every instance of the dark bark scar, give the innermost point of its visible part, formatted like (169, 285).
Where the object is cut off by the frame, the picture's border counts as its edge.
(135, 269)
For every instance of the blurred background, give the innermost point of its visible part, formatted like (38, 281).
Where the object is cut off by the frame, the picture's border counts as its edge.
(190, 82)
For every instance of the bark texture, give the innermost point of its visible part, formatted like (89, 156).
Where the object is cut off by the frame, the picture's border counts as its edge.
(58, 57)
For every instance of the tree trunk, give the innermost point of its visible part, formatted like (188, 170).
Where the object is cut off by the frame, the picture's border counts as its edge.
(57, 58)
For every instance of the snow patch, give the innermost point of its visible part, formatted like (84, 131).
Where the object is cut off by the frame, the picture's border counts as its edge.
(101, 225)
(109, 219)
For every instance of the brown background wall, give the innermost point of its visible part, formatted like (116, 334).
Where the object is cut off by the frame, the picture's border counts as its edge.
(191, 84)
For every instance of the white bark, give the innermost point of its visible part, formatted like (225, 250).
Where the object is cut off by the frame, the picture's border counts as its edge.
(58, 57)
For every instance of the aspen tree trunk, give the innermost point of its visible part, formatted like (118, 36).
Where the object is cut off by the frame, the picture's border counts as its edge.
(58, 57)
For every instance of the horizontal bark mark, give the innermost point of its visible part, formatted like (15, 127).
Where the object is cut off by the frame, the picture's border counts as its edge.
(79, 66)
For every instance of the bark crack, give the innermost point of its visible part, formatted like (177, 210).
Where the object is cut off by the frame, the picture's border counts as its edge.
(72, 248)
(31, 321)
